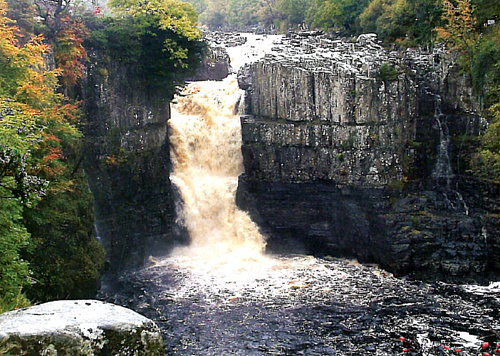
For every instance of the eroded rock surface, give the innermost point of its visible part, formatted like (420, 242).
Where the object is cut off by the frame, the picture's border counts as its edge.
(351, 149)
(79, 328)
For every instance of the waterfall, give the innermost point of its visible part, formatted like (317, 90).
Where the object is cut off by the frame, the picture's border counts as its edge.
(205, 136)
(442, 168)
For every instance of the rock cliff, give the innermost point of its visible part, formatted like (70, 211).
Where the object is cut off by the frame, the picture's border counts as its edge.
(350, 149)
(128, 163)
(128, 157)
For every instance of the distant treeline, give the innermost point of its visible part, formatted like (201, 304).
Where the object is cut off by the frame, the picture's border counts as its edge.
(411, 22)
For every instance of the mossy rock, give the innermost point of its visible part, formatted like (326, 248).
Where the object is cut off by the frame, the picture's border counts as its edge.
(79, 328)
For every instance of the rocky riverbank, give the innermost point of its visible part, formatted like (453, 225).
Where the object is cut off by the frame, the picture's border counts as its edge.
(298, 305)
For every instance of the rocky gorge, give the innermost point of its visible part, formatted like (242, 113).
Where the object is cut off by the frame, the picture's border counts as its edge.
(367, 149)
(376, 172)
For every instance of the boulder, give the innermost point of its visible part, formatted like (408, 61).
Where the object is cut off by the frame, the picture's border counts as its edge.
(79, 327)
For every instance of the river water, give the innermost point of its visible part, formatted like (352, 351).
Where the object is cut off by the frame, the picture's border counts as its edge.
(222, 295)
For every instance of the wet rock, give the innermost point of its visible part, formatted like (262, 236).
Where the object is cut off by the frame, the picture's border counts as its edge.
(79, 327)
(126, 151)
(215, 65)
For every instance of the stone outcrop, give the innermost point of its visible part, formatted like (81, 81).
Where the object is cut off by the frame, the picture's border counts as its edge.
(128, 162)
(215, 65)
(128, 155)
(350, 149)
(79, 328)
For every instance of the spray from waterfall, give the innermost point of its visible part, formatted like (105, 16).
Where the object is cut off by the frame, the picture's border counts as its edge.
(205, 136)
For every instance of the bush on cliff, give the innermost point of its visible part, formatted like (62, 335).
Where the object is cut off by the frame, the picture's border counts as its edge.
(159, 39)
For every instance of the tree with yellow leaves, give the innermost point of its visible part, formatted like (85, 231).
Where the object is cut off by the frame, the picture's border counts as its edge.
(460, 31)
(45, 207)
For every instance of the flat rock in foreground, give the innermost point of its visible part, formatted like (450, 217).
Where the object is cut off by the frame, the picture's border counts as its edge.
(79, 327)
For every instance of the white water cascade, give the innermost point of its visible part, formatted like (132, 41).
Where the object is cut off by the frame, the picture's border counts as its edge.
(206, 154)
(205, 136)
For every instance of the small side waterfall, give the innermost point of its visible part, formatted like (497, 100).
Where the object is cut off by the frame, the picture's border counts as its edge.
(205, 135)
(443, 171)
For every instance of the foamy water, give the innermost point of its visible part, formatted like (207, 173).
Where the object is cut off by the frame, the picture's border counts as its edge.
(222, 295)
(205, 135)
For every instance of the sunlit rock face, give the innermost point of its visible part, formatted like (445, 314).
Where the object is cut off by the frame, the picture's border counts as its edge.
(350, 149)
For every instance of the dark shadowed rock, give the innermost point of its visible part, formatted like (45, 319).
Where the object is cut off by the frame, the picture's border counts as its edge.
(79, 327)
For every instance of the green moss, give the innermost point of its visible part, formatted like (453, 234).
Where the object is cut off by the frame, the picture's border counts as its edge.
(388, 72)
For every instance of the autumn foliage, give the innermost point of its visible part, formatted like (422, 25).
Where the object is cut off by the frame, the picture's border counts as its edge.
(39, 151)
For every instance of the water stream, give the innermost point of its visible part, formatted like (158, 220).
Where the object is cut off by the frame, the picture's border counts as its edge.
(222, 295)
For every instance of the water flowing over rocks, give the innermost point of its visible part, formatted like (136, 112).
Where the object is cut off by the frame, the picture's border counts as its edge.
(364, 148)
(299, 305)
(369, 172)
(79, 328)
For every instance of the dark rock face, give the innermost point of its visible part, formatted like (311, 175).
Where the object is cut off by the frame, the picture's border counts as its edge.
(353, 150)
(129, 165)
(214, 66)
(79, 328)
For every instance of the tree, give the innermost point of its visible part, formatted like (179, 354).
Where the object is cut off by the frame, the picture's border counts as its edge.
(51, 12)
(294, 11)
(339, 14)
(43, 194)
(460, 30)
(20, 77)
(215, 15)
(486, 10)
(159, 41)
(242, 13)
(176, 16)
(69, 52)
(405, 22)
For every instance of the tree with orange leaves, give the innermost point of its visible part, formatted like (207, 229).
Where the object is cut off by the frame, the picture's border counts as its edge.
(44, 200)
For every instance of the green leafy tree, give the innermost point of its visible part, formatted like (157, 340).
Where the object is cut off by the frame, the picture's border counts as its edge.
(242, 13)
(176, 16)
(161, 50)
(338, 14)
(43, 193)
(215, 14)
(405, 22)
(294, 12)
(21, 77)
(18, 134)
(329, 13)
(460, 30)
(486, 10)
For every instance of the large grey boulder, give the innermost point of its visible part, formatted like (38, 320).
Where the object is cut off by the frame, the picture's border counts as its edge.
(79, 327)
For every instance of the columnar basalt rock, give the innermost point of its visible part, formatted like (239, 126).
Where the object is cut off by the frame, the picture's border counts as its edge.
(350, 149)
